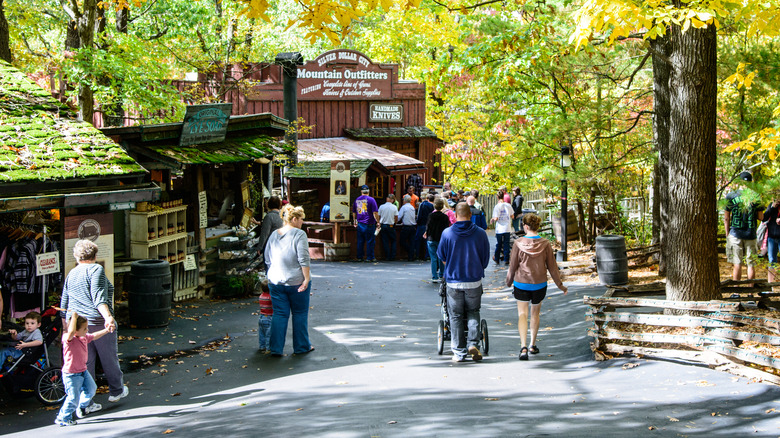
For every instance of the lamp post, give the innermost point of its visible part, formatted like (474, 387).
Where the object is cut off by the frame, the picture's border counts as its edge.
(562, 255)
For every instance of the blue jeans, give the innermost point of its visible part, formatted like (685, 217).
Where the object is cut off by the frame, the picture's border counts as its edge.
(463, 306)
(502, 243)
(419, 241)
(365, 236)
(437, 267)
(264, 331)
(388, 241)
(80, 388)
(772, 246)
(286, 300)
(9, 352)
(407, 235)
(516, 223)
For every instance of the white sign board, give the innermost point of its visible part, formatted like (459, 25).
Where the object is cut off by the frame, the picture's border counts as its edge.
(190, 263)
(203, 213)
(47, 263)
(340, 180)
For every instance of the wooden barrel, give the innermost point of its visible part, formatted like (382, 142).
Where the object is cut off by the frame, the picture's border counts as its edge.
(337, 252)
(572, 226)
(611, 259)
(149, 293)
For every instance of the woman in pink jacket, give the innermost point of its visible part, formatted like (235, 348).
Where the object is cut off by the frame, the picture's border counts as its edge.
(529, 261)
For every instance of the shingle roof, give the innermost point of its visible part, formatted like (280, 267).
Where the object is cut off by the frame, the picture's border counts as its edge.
(396, 132)
(40, 138)
(321, 169)
(232, 150)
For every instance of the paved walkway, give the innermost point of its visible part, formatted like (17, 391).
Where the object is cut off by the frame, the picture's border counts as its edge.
(375, 373)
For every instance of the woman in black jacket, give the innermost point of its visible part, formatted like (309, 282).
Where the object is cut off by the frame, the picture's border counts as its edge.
(773, 237)
(517, 206)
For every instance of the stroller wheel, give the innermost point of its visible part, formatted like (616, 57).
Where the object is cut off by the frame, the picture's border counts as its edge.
(441, 337)
(483, 337)
(49, 387)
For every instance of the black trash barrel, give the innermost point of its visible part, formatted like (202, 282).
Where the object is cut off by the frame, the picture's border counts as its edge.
(611, 259)
(149, 293)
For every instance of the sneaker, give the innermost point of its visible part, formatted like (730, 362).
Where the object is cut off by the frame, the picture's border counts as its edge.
(436, 280)
(457, 359)
(94, 407)
(116, 398)
(70, 422)
(476, 356)
(371, 260)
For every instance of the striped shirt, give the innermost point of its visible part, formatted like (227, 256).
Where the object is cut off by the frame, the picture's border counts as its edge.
(265, 304)
(85, 288)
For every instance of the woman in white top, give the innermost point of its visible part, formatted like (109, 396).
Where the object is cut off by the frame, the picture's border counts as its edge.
(289, 279)
(502, 216)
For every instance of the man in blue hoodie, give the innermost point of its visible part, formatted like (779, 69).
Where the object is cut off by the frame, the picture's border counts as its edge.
(465, 250)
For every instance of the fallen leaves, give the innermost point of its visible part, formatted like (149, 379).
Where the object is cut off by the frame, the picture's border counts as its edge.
(628, 366)
(167, 431)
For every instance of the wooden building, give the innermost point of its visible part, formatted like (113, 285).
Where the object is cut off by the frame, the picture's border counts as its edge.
(341, 93)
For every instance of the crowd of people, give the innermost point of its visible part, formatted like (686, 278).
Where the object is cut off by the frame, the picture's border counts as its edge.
(452, 225)
(414, 214)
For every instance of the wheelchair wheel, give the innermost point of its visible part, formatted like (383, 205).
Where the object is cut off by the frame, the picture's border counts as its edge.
(441, 337)
(49, 387)
(483, 337)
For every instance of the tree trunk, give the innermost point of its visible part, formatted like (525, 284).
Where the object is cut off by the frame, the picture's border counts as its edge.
(5, 47)
(661, 70)
(114, 112)
(592, 216)
(581, 222)
(122, 17)
(72, 41)
(86, 28)
(692, 263)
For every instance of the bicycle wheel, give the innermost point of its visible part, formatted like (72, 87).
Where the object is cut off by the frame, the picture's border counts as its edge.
(49, 387)
(441, 337)
(483, 329)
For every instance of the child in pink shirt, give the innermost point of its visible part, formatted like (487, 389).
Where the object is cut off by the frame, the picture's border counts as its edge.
(79, 384)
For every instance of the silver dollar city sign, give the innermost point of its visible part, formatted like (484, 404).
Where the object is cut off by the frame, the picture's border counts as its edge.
(344, 75)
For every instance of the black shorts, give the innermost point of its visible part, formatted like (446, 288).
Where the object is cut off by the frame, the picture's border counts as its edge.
(534, 296)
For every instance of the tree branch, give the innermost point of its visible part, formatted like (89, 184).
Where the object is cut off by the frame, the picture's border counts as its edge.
(636, 121)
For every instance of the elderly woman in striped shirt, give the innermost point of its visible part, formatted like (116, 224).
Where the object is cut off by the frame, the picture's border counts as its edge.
(88, 292)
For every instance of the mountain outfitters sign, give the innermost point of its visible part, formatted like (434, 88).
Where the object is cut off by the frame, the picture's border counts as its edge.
(205, 124)
(344, 75)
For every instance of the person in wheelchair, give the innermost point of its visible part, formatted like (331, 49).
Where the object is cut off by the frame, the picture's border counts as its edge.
(28, 338)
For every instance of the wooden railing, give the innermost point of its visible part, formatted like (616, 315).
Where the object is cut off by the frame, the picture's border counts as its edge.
(719, 334)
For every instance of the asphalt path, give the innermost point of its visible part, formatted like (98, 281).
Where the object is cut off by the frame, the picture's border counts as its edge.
(376, 373)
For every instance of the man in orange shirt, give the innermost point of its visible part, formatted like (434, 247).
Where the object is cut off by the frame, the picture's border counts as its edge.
(415, 199)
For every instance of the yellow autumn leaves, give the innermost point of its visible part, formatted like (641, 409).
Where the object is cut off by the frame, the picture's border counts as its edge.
(331, 19)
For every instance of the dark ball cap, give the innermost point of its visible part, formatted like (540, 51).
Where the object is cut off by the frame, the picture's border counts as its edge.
(746, 176)
(364, 187)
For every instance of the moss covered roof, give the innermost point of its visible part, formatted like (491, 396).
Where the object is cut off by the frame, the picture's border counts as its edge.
(395, 132)
(40, 138)
(321, 169)
(232, 150)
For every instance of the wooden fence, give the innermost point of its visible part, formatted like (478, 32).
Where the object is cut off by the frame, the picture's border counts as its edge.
(720, 334)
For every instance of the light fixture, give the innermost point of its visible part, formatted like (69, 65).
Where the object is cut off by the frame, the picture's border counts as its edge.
(565, 157)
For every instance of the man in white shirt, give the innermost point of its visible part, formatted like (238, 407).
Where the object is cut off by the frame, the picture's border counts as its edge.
(406, 216)
(502, 217)
(388, 216)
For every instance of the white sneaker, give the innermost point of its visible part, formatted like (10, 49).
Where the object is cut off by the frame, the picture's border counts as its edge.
(115, 398)
(94, 407)
(64, 422)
